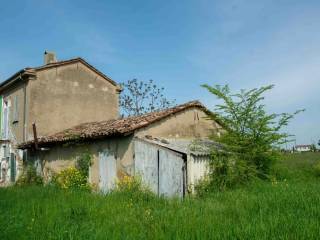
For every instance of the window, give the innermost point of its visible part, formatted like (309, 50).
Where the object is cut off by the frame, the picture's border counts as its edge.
(15, 118)
(5, 120)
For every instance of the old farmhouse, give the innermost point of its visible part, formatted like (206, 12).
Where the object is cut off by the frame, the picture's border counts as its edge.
(158, 146)
(55, 96)
(54, 113)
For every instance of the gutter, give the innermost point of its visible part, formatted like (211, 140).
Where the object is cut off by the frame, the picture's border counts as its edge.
(16, 78)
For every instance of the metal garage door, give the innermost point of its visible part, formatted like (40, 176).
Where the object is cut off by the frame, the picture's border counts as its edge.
(171, 174)
(161, 169)
(146, 164)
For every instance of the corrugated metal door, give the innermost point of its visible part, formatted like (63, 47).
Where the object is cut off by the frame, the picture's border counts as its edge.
(162, 170)
(107, 171)
(198, 167)
(171, 173)
(146, 164)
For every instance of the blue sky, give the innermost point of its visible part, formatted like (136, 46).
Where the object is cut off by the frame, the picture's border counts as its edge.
(180, 45)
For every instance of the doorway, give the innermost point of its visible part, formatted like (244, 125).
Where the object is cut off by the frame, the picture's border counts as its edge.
(107, 171)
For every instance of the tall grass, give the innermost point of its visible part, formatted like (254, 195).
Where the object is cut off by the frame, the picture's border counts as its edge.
(285, 209)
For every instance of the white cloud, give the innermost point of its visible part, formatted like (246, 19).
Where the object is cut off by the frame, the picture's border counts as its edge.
(286, 54)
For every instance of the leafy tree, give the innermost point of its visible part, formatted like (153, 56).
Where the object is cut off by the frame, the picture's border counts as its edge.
(313, 148)
(141, 97)
(250, 142)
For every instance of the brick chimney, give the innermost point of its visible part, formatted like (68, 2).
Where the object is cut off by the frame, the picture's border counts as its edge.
(49, 57)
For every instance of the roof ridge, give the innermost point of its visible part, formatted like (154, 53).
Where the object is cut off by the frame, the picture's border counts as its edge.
(193, 103)
(58, 63)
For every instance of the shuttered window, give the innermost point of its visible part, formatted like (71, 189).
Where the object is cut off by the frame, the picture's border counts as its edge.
(16, 109)
(5, 122)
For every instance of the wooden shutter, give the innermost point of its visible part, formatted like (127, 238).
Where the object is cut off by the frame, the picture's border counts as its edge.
(16, 109)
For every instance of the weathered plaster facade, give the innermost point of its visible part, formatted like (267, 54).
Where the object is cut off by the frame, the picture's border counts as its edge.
(60, 157)
(55, 96)
(13, 100)
(192, 123)
(67, 95)
(189, 124)
(16, 124)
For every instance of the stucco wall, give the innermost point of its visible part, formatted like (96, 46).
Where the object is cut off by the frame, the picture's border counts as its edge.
(60, 157)
(191, 123)
(16, 127)
(68, 95)
(187, 124)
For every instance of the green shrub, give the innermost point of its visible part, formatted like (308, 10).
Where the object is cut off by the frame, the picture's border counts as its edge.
(83, 163)
(226, 171)
(129, 183)
(29, 176)
(75, 177)
(251, 134)
(133, 187)
(70, 178)
(203, 186)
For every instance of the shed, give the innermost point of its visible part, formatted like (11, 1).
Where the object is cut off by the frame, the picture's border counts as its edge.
(171, 167)
(159, 146)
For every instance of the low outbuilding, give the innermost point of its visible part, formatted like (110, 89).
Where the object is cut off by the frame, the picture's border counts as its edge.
(169, 149)
(303, 148)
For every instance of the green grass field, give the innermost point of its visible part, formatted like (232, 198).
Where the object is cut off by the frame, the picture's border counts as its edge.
(284, 209)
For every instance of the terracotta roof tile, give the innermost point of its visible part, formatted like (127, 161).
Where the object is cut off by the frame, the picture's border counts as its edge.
(119, 127)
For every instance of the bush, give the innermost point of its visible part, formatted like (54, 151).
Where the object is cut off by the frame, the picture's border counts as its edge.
(203, 186)
(133, 186)
(226, 171)
(250, 136)
(83, 163)
(230, 170)
(75, 177)
(129, 184)
(70, 178)
(29, 176)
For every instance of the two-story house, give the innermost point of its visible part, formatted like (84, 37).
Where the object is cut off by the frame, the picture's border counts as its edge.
(52, 114)
(55, 96)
